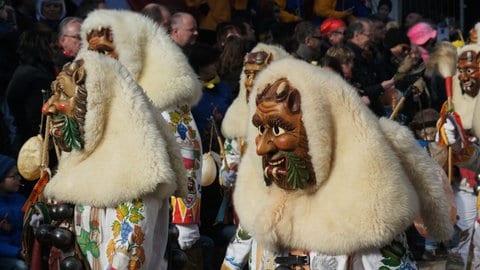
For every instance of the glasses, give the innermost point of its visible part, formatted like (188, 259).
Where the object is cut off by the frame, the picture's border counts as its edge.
(339, 32)
(74, 36)
(366, 34)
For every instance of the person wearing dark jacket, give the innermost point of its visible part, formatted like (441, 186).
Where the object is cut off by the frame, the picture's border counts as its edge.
(34, 74)
(358, 35)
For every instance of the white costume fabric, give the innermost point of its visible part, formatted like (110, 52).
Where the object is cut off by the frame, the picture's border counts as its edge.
(358, 161)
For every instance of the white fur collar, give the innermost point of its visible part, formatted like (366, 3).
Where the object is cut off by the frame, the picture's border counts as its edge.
(129, 150)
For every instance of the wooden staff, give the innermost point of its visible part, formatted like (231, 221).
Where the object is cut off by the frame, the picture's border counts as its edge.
(445, 59)
(44, 173)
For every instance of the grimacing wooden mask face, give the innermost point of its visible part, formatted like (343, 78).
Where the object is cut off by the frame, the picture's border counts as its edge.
(67, 106)
(254, 63)
(468, 66)
(281, 138)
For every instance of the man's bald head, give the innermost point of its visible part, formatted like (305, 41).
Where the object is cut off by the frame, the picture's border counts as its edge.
(159, 13)
(183, 29)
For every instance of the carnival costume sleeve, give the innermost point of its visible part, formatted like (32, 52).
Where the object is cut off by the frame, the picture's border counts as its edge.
(345, 187)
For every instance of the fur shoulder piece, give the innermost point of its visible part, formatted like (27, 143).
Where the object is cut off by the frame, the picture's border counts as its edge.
(146, 50)
(234, 123)
(363, 196)
(465, 105)
(423, 173)
(129, 151)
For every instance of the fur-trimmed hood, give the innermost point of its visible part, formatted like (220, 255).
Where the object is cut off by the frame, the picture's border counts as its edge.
(234, 124)
(365, 193)
(155, 61)
(129, 151)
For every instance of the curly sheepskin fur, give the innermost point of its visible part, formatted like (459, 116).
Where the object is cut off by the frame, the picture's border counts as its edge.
(367, 190)
(153, 59)
(129, 150)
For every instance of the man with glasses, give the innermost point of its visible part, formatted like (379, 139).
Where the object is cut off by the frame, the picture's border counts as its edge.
(309, 40)
(69, 41)
(364, 73)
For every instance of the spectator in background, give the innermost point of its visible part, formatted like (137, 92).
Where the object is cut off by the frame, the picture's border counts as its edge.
(51, 12)
(210, 13)
(328, 8)
(11, 216)
(69, 41)
(424, 36)
(345, 57)
(87, 6)
(35, 73)
(384, 8)
(216, 99)
(309, 41)
(225, 30)
(290, 11)
(411, 19)
(364, 75)
(333, 33)
(159, 14)
(24, 14)
(183, 29)
(231, 62)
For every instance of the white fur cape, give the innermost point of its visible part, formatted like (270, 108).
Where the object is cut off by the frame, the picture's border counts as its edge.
(129, 150)
(369, 187)
(146, 50)
(234, 124)
(465, 105)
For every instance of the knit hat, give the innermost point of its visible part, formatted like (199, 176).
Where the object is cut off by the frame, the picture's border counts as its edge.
(6, 163)
(330, 25)
(420, 33)
(394, 37)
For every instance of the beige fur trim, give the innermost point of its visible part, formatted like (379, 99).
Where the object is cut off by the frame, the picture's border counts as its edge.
(364, 197)
(129, 150)
(234, 123)
(155, 61)
(421, 169)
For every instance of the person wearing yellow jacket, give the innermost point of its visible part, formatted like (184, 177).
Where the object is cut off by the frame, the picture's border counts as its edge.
(327, 8)
(290, 11)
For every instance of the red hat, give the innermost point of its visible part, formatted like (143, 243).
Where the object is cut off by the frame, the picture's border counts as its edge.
(330, 25)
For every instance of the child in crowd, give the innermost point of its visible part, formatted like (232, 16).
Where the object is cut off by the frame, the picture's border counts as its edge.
(11, 216)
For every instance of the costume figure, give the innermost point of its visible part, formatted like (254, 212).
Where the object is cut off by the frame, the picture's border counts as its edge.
(234, 128)
(119, 165)
(310, 136)
(162, 70)
(466, 85)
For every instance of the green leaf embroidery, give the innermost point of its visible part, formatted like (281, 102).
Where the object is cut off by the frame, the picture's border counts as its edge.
(70, 132)
(297, 172)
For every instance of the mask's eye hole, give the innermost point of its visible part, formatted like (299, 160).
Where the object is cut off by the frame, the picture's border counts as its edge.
(277, 131)
(261, 129)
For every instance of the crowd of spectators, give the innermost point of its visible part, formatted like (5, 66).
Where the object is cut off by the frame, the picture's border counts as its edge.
(383, 59)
